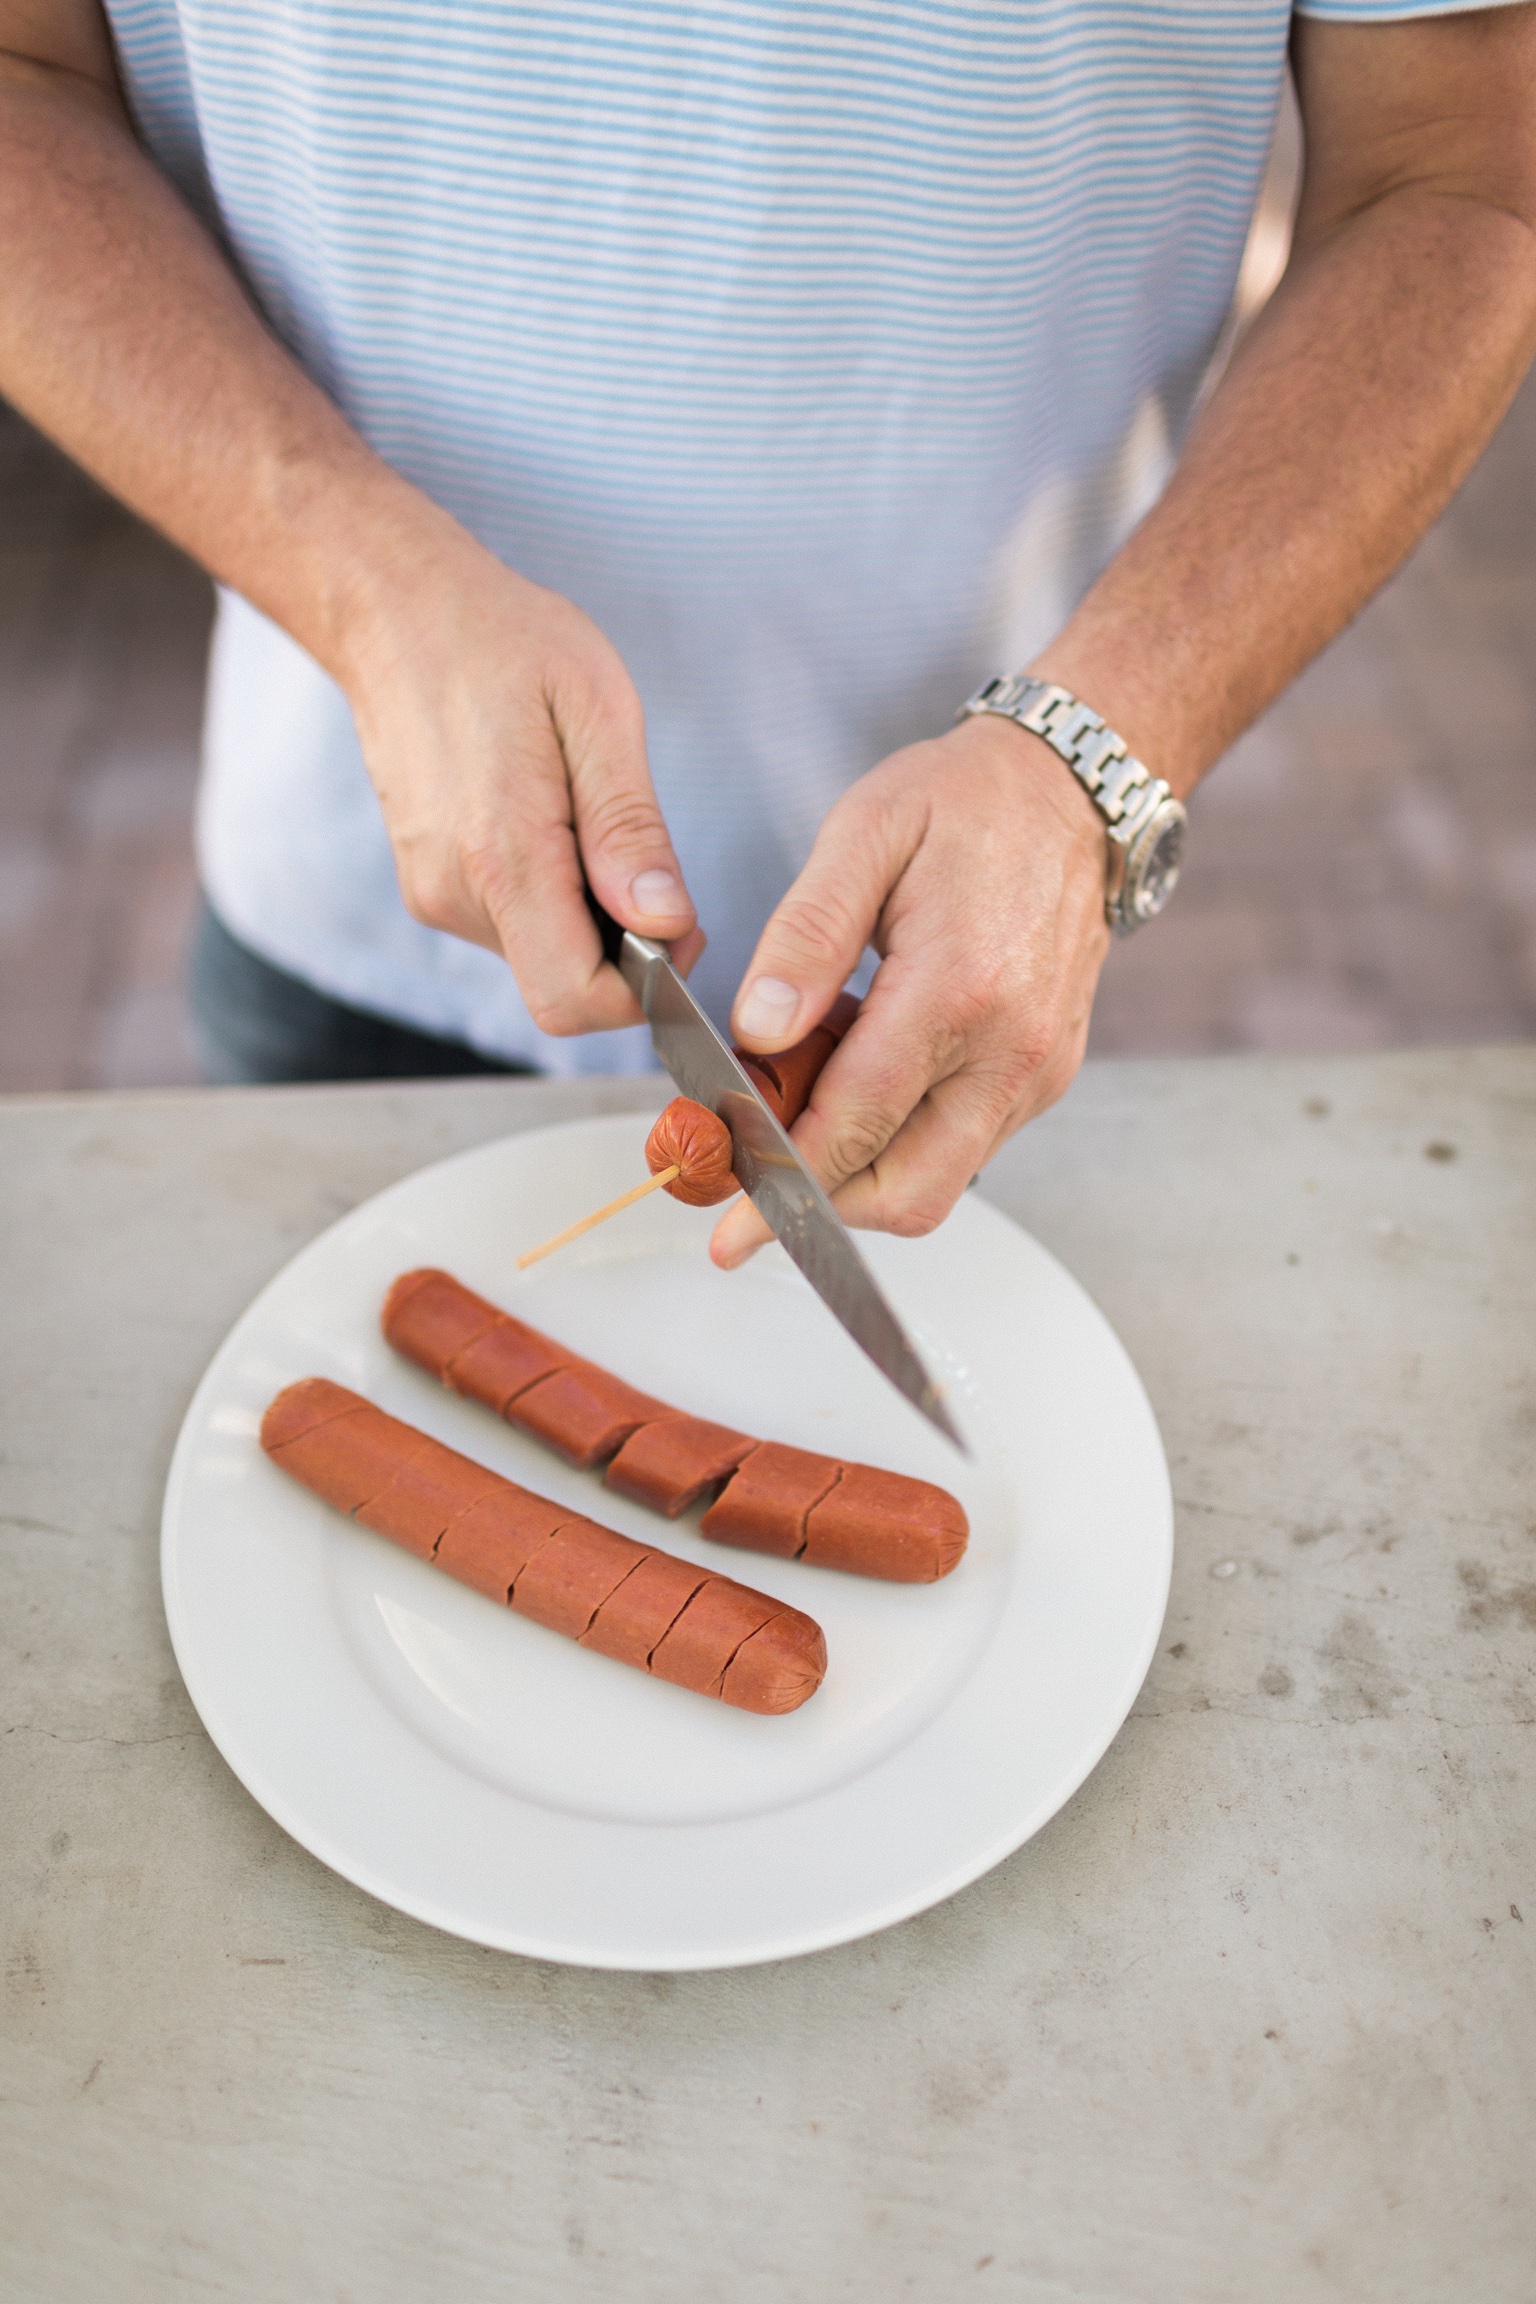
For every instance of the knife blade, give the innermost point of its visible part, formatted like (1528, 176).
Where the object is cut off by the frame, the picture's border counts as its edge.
(771, 1172)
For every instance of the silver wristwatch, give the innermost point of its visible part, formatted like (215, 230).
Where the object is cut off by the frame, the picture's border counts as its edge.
(1144, 821)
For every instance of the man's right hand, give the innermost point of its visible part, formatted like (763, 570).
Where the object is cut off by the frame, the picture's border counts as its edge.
(500, 728)
(507, 747)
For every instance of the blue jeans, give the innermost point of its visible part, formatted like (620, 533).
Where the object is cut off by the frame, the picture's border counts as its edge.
(256, 1023)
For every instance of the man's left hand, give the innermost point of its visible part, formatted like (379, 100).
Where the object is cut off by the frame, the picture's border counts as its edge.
(1351, 410)
(974, 864)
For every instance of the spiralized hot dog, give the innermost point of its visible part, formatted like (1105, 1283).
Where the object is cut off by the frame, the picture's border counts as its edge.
(670, 1618)
(691, 1137)
(771, 1498)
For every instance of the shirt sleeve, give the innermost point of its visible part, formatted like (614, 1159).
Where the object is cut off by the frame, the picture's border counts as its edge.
(1390, 11)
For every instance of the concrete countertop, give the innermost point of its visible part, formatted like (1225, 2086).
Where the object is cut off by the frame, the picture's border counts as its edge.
(1253, 2018)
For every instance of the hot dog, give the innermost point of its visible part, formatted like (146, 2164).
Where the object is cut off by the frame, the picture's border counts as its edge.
(768, 1497)
(691, 1137)
(785, 1081)
(666, 1616)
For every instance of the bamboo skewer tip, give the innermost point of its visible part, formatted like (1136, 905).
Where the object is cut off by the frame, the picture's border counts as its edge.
(600, 1216)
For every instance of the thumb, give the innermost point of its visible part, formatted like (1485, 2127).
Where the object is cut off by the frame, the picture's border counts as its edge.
(625, 846)
(817, 936)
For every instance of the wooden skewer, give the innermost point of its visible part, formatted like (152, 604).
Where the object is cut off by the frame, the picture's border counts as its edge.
(574, 1231)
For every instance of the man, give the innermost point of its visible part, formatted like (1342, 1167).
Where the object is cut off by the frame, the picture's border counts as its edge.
(550, 381)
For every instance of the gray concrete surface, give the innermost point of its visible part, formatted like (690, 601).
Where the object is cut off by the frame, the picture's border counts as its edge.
(1254, 2018)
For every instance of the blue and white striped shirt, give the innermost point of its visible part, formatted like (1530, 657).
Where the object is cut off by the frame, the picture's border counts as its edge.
(822, 352)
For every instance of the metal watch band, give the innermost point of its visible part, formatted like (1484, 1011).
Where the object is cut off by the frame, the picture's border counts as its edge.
(1123, 789)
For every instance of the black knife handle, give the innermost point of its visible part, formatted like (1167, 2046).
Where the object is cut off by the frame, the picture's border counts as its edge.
(608, 928)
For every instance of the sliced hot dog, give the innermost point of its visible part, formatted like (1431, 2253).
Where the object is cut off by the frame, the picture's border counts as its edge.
(785, 1081)
(766, 1507)
(583, 1412)
(486, 1545)
(627, 1600)
(691, 1137)
(467, 1343)
(475, 1348)
(875, 1523)
(669, 1463)
(772, 1498)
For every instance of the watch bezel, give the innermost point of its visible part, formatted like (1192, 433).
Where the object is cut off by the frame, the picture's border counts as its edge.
(1126, 909)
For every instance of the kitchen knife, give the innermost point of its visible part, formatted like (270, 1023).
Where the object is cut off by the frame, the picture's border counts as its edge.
(769, 1169)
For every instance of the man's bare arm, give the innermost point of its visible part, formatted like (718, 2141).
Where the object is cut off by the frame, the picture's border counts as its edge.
(1357, 403)
(492, 714)
(1359, 400)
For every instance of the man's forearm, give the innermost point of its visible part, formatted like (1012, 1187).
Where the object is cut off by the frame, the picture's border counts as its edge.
(500, 727)
(1349, 415)
(126, 337)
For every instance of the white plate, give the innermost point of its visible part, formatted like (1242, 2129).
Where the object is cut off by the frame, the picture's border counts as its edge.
(496, 1780)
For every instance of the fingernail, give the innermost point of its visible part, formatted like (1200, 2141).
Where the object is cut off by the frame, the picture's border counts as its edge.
(767, 1009)
(727, 1255)
(657, 895)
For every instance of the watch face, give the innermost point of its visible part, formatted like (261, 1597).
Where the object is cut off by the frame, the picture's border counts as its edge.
(1156, 869)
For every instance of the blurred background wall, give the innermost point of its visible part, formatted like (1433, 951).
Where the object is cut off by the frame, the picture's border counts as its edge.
(1362, 867)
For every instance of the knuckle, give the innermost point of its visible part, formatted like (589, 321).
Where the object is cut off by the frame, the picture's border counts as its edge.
(428, 892)
(914, 1219)
(1051, 1087)
(910, 1207)
(555, 1013)
(811, 932)
(860, 1136)
(1030, 1052)
(623, 714)
(492, 877)
(624, 823)
(992, 1088)
(971, 998)
(1052, 1080)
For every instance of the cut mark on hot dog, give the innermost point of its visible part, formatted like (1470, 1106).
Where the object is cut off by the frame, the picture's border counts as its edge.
(527, 1564)
(315, 1406)
(631, 1570)
(689, 1652)
(766, 1507)
(753, 1672)
(673, 1460)
(656, 1643)
(655, 1596)
(736, 1651)
(816, 1507)
(476, 1374)
(583, 1412)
